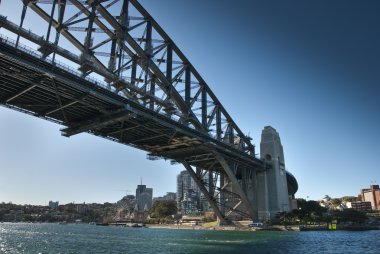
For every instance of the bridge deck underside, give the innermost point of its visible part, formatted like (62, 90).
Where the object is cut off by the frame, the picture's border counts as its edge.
(33, 86)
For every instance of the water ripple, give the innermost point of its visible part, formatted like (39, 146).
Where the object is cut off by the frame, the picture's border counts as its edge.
(54, 238)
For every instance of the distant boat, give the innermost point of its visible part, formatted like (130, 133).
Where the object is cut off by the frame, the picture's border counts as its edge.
(62, 222)
(135, 225)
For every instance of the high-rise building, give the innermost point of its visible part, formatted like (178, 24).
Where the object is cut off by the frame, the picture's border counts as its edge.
(168, 196)
(372, 195)
(189, 198)
(144, 198)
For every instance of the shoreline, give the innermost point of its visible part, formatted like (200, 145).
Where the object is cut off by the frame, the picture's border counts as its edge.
(222, 228)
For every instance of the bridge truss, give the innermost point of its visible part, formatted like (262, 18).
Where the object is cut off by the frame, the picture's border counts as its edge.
(131, 85)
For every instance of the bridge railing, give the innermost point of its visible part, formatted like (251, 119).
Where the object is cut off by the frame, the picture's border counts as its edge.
(26, 49)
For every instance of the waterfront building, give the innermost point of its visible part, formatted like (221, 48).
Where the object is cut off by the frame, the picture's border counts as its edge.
(144, 198)
(137, 216)
(372, 195)
(362, 206)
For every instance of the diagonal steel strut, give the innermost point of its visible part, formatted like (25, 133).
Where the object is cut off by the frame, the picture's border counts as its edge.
(98, 122)
(205, 192)
(236, 185)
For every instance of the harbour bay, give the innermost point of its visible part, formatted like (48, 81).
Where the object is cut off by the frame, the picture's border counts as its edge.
(83, 238)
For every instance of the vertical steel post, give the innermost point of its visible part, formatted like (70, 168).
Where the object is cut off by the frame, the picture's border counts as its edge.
(23, 14)
(211, 183)
(124, 19)
(221, 196)
(148, 43)
(218, 124)
(133, 72)
(51, 20)
(169, 63)
(148, 50)
(61, 10)
(152, 91)
(121, 55)
(112, 61)
(204, 108)
(187, 85)
(230, 134)
(87, 42)
(124, 22)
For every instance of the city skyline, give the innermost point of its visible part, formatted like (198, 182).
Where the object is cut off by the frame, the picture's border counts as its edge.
(310, 70)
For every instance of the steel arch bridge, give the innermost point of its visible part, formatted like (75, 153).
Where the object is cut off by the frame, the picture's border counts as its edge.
(124, 79)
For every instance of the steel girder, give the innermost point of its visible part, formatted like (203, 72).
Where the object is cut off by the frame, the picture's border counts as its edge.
(86, 90)
(126, 56)
(219, 185)
(139, 62)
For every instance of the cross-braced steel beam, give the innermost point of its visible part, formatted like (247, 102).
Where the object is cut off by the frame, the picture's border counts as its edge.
(141, 39)
(19, 93)
(150, 95)
(208, 194)
(236, 186)
(96, 123)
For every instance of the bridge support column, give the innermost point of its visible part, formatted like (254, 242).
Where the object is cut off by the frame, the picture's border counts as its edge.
(272, 184)
(251, 190)
(262, 196)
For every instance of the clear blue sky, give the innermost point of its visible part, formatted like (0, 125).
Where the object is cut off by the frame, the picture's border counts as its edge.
(310, 69)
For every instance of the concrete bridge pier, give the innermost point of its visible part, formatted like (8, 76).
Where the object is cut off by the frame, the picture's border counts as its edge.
(272, 187)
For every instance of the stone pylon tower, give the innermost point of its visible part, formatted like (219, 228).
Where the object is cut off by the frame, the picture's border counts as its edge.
(272, 184)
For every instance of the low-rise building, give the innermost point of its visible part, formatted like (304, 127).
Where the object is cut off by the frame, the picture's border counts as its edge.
(361, 206)
(372, 195)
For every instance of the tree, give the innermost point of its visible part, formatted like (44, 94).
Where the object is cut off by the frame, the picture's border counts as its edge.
(336, 201)
(163, 208)
(350, 215)
(301, 203)
(309, 211)
(313, 206)
(327, 198)
(349, 199)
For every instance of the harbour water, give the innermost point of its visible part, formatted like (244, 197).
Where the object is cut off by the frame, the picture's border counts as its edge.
(81, 238)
